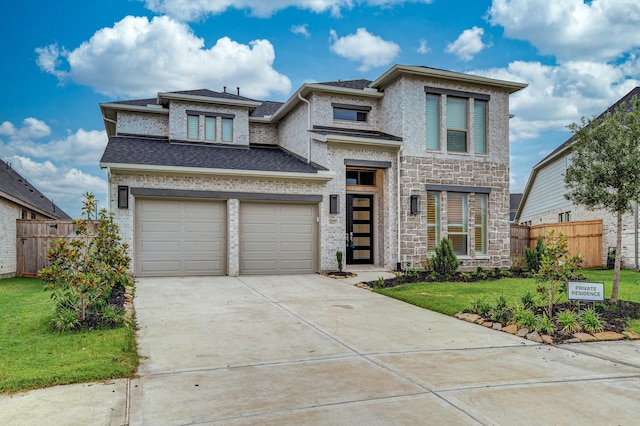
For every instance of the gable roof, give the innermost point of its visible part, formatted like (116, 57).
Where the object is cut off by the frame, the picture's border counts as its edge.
(566, 146)
(17, 189)
(349, 84)
(156, 153)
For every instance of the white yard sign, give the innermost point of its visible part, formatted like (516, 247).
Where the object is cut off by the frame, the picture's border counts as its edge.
(581, 290)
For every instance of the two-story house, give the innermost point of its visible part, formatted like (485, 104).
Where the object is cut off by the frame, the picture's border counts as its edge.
(206, 183)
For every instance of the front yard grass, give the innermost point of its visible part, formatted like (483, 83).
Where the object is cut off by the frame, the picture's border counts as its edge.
(450, 298)
(33, 356)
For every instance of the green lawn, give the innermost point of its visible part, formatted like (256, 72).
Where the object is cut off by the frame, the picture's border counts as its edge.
(33, 356)
(452, 297)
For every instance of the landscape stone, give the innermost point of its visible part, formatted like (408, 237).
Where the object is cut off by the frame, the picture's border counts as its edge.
(608, 335)
(480, 320)
(534, 337)
(547, 339)
(510, 329)
(487, 324)
(497, 326)
(631, 335)
(584, 337)
(472, 318)
(522, 332)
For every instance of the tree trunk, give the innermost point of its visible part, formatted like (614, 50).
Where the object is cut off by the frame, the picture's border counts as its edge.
(616, 267)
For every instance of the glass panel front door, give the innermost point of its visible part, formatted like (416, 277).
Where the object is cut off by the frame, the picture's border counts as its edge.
(359, 229)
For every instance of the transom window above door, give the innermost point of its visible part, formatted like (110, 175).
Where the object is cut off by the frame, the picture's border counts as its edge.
(361, 177)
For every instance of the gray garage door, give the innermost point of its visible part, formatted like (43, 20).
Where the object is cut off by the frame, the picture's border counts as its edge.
(278, 238)
(175, 238)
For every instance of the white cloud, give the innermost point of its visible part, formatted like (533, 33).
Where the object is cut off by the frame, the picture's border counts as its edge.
(364, 47)
(300, 29)
(423, 49)
(190, 10)
(560, 95)
(138, 57)
(571, 29)
(468, 44)
(84, 147)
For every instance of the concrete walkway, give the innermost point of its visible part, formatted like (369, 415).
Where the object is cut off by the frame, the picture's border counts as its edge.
(313, 350)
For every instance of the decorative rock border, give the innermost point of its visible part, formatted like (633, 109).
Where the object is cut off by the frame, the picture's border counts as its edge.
(525, 333)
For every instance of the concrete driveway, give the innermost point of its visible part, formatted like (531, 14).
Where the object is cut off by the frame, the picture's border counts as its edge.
(313, 350)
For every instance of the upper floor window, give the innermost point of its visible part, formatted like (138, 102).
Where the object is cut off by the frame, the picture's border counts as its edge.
(193, 127)
(227, 129)
(361, 177)
(209, 126)
(458, 125)
(351, 112)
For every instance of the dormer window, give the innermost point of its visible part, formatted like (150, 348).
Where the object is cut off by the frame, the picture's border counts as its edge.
(347, 112)
(209, 126)
(193, 127)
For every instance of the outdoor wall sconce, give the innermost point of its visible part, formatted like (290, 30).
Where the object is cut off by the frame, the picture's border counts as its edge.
(334, 204)
(415, 204)
(123, 197)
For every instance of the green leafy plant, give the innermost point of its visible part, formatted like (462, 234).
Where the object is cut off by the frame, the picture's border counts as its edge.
(524, 318)
(568, 322)
(545, 325)
(517, 262)
(83, 271)
(445, 261)
(379, 283)
(533, 257)
(480, 306)
(528, 300)
(556, 268)
(427, 262)
(340, 258)
(590, 320)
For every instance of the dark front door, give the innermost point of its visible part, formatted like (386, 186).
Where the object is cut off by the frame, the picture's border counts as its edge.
(359, 229)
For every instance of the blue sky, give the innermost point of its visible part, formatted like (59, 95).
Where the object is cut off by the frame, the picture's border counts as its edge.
(60, 59)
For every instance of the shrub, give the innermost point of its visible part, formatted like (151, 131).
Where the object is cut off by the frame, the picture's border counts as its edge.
(524, 318)
(427, 262)
(568, 322)
(528, 300)
(82, 272)
(533, 256)
(545, 325)
(339, 258)
(445, 262)
(479, 306)
(590, 320)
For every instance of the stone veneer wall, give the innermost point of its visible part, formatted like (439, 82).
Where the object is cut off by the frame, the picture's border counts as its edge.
(142, 124)
(9, 212)
(416, 172)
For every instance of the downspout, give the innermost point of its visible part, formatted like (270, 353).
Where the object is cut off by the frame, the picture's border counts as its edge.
(115, 123)
(398, 264)
(308, 125)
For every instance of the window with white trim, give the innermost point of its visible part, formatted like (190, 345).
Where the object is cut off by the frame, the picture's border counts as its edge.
(458, 222)
(433, 122)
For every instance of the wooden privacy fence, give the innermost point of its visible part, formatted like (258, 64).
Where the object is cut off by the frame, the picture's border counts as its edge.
(519, 239)
(583, 237)
(33, 239)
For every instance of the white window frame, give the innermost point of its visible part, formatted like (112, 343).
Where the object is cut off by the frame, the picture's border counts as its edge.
(208, 122)
(224, 136)
(464, 225)
(480, 224)
(190, 136)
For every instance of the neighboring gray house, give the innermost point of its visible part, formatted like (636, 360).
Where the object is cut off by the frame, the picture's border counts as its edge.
(19, 200)
(214, 183)
(544, 201)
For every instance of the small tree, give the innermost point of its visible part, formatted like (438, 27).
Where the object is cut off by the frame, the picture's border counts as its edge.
(556, 267)
(339, 258)
(605, 167)
(445, 262)
(82, 272)
(534, 255)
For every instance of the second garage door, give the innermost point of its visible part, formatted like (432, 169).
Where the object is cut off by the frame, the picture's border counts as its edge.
(180, 237)
(278, 238)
